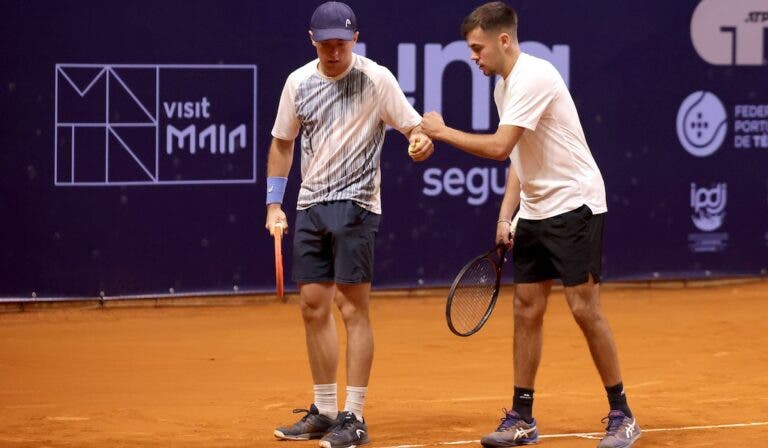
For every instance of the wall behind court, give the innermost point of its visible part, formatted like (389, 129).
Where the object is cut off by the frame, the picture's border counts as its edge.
(102, 191)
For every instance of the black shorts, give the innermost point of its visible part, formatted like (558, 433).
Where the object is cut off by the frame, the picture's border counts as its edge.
(567, 246)
(334, 242)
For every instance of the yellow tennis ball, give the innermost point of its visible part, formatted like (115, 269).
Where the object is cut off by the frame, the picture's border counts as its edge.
(412, 146)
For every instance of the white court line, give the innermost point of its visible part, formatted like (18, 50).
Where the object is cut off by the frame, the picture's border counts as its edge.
(594, 435)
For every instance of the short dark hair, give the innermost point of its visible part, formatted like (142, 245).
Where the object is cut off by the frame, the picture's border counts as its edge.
(491, 16)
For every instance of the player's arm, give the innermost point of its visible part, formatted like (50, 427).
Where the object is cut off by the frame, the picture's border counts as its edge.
(278, 167)
(396, 111)
(496, 146)
(504, 231)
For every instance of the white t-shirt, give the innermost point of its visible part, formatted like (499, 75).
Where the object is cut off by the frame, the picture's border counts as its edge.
(556, 169)
(342, 121)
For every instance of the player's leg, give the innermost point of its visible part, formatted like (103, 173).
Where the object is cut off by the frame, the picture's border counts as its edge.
(584, 302)
(577, 246)
(313, 271)
(579, 255)
(533, 273)
(530, 305)
(354, 232)
(353, 303)
(316, 300)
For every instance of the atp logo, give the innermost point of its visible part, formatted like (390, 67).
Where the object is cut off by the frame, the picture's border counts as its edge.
(708, 206)
(730, 32)
(701, 123)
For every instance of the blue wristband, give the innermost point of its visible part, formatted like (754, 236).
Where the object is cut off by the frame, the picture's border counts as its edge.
(276, 189)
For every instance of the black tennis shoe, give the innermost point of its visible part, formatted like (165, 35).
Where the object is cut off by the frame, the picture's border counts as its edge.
(347, 432)
(313, 425)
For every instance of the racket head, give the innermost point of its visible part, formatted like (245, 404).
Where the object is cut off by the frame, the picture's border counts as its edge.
(277, 232)
(474, 292)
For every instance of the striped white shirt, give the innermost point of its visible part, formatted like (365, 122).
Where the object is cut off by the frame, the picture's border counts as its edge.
(342, 122)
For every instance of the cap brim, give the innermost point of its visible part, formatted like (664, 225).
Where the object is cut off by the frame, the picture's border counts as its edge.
(333, 33)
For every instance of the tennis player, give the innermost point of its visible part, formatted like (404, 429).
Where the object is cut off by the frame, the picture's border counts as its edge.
(341, 103)
(561, 195)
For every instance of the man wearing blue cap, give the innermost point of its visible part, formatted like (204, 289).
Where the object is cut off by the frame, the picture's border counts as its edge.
(341, 103)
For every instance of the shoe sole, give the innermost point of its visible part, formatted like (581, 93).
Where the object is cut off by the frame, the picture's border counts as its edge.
(631, 442)
(328, 445)
(309, 436)
(533, 442)
(512, 444)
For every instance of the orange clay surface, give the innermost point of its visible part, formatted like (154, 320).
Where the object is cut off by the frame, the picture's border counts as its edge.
(225, 376)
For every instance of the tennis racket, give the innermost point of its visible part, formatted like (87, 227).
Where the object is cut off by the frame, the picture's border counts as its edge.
(277, 231)
(473, 294)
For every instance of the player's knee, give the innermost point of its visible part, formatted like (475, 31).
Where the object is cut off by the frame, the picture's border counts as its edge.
(586, 315)
(352, 313)
(528, 311)
(314, 311)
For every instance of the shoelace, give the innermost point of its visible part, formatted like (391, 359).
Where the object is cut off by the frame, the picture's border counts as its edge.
(614, 423)
(509, 420)
(307, 411)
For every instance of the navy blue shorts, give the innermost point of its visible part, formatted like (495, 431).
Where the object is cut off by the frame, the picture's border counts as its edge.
(568, 246)
(334, 242)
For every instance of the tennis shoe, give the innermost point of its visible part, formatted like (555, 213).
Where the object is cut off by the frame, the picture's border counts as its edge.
(512, 431)
(313, 425)
(621, 431)
(347, 432)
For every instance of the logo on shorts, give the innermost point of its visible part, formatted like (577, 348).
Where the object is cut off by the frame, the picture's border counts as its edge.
(701, 123)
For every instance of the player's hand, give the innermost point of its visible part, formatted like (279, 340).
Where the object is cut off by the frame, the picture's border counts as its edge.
(275, 218)
(420, 147)
(505, 234)
(432, 124)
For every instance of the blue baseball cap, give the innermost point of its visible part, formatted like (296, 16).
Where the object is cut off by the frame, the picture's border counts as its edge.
(333, 20)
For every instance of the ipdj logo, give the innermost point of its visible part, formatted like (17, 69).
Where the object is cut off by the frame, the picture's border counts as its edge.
(708, 206)
(730, 32)
(701, 123)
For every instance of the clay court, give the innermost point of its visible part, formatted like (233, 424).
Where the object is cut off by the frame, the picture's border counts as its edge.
(187, 374)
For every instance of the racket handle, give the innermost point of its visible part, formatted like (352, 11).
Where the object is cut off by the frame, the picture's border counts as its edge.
(278, 229)
(513, 225)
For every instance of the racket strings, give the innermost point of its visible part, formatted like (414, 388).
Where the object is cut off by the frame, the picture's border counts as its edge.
(473, 295)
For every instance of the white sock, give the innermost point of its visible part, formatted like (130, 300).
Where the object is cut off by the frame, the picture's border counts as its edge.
(355, 400)
(325, 399)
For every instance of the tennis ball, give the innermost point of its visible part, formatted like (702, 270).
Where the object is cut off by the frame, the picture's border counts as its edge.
(412, 147)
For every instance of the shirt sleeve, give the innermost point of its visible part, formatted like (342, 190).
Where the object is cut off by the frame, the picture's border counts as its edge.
(287, 122)
(394, 107)
(529, 98)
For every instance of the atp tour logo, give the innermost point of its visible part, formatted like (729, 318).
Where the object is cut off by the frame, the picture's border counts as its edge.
(730, 32)
(701, 123)
(708, 206)
(128, 124)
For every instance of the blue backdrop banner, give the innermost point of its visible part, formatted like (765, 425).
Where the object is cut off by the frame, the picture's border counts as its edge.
(135, 136)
